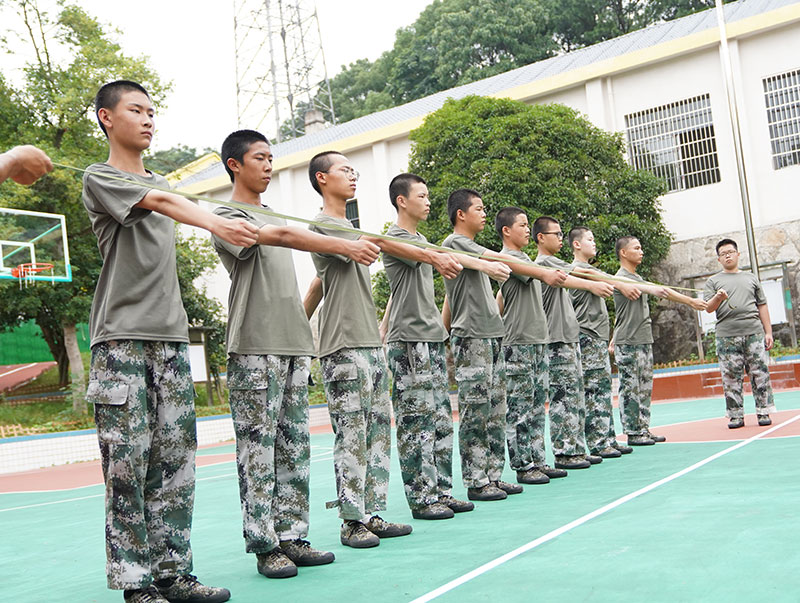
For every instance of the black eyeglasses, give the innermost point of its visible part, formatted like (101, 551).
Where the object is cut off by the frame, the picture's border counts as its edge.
(558, 233)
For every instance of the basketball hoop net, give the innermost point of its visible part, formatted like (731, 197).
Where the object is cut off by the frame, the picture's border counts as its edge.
(26, 272)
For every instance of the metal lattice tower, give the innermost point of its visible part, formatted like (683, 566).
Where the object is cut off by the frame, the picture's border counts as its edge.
(280, 67)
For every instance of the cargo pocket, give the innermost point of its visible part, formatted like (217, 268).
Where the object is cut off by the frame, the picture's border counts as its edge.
(248, 396)
(108, 391)
(472, 384)
(342, 387)
(112, 413)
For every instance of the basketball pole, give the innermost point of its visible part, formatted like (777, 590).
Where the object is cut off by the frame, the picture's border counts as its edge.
(733, 112)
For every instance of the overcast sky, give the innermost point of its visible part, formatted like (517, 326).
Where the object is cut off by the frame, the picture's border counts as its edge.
(191, 43)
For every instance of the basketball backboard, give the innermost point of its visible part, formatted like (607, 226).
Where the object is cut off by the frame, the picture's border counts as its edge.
(33, 238)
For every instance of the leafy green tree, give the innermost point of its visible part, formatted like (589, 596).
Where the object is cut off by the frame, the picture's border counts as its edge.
(546, 159)
(168, 160)
(53, 109)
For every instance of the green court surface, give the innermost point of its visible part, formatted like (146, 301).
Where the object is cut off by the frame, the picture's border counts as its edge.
(725, 530)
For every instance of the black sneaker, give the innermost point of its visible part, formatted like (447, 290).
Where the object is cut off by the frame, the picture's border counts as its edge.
(736, 423)
(551, 472)
(188, 589)
(302, 555)
(593, 459)
(640, 440)
(609, 453)
(764, 420)
(532, 476)
(572, 462)
(144, 595)
(486, 492)
(275, 564)
(384, 529)
(458, 506)
(355, 534)
(435, 511)
(622, 448)
(508, 488)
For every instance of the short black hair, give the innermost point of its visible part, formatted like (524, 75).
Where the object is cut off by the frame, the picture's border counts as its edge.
(109, 94)
(321, 162)
(577, 233)
(541, 224)
(401, 185)
(506, 217)
(237, 144)
(460, 199)
(724, 242)
(623, 242)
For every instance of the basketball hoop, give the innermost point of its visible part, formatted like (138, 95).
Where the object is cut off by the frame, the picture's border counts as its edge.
(26, 272)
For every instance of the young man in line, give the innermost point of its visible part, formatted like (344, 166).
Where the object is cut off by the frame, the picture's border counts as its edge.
(632, 344)
(413, 330)
(269, 346)
(592, 315)
(567, 403)
(476, 330)
(744, 334)
(354, 370)
(140, 381)
(24, 164)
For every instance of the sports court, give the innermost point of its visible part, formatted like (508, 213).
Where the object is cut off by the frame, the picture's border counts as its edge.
(708, 516)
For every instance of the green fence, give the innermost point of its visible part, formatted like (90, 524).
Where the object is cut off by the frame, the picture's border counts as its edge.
(26, 344)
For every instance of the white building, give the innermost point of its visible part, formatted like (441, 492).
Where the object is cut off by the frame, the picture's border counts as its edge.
(662, 87)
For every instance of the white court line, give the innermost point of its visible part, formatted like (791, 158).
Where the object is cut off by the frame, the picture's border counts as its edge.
(54, 502)
(19, 368)
(588, 517)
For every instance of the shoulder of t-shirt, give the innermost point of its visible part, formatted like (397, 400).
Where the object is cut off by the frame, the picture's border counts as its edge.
(230, 212)
(402, 233)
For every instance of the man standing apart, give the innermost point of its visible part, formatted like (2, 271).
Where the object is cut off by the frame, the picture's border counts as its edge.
(744, 334)
(632, 344)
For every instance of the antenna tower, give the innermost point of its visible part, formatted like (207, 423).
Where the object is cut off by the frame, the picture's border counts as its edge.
(281, 74)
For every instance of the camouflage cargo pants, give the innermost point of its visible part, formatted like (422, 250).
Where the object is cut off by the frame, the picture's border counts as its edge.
(597, 393)
(635, 364)
(526, 393)
(567, 405)
(737, 354)
(357, 388)
(269, 405)
(424, 420)
(480, 375)
(144, 410)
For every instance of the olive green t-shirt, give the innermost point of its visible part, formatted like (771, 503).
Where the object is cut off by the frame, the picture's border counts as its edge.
(632, 325)
(562, 324)
(265, 312)
(347, 318)
(590, 309)
(137, 294)
(473, 308)
(413, 315)
(738, 315)
(523, 313)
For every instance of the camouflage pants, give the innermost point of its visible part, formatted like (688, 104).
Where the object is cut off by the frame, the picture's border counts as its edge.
(144, 410)
(526, 393)
(635, 364)
(357, 388)
(481, 382)
(269, 405)
(597, 393)
(737, 354)
(567, 405)
(424, 420)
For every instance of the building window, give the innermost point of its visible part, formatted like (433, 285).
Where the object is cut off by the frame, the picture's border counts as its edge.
(675, 142)
(782, 96)
(351, 212)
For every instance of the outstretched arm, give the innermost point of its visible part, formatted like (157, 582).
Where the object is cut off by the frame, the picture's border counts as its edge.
(693, 302)
(313, 297)
(236, 231)
(445, 263)
(599, 288)
(554, 278)
(497, 271)
(360, 250)
(630, 291)
(24, 165)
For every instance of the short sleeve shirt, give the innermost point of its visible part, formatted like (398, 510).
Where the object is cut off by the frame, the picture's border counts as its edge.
(562, 323)
(632, 325)
(738, 315)
(137, 294)
(413, 315)
(590, 309)
(348, 318)
(265, 312)
(523, 313)
(473, 308)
